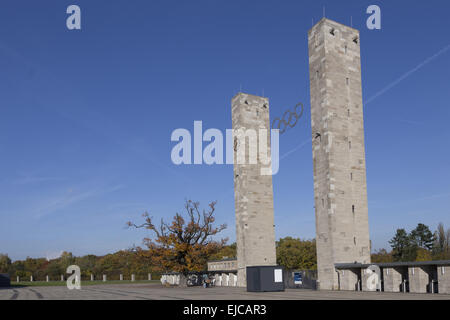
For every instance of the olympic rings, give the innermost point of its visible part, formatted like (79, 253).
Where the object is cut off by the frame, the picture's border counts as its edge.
(292, 115)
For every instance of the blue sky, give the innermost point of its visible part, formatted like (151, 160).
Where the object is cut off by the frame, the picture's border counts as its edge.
(86, 116)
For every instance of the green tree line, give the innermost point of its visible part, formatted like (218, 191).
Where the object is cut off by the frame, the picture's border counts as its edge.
(292, 253)
(125, 262)
(420, 244)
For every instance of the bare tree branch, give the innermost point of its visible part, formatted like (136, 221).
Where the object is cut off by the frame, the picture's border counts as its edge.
(183, 245)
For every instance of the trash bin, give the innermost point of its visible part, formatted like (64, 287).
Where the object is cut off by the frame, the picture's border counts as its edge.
(265, 278)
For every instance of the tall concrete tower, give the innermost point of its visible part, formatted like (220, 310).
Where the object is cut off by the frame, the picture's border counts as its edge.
(253, 192)
(340, 192)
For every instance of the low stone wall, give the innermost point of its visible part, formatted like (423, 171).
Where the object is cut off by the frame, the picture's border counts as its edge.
(219, 279)
(418, 279)
(349, 279)
(414, 277)
(393, 279)
(224, 279)
(172, 279)
(443, 275)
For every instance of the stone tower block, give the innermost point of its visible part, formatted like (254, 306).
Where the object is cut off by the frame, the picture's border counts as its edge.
(340, 192)
(253, 192)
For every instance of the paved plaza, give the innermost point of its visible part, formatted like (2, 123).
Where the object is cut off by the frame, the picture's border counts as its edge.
(156, 291)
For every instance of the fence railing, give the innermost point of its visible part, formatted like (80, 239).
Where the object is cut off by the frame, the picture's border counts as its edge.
(90, 277)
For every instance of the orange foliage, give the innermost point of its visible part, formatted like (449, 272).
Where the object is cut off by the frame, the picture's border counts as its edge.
(183, 246)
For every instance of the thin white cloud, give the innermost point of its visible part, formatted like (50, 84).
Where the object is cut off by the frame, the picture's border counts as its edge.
(298, 147)
(25, 180)
(407, 74)
(50, 255)
(70, 198)
(435, 196)
(413, 199)
(416, 123)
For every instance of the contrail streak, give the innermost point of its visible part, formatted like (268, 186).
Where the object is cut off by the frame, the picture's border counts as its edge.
(407, 74)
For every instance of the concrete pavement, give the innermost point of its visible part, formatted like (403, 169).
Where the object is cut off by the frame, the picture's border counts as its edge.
(155, 291)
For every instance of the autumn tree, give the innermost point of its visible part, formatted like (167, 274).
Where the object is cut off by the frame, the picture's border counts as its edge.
(66, 259)
(441, 246)
(54, 269)
(87, 264)
(228, 251)
(18, 268)
(423, 254)
(296, 254)
(185, 245)
(381, 256)
(5, 263)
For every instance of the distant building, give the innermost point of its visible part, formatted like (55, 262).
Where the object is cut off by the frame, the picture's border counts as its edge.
(228, 264)
(224, 272)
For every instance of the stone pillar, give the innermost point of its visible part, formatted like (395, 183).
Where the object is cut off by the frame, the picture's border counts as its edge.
(340, 191)
(348, 279)
(219, 279)
(104, 277)
(121, 277)
(92, 277)
(46, 278)
(418, 279)
(233, 280)
(18, 279)
(31, 278)
(392, 278)
(62, 277)
(443, 273)
(224, 280)
(149, 277)
(132, 277)
(253, 191)
(217, 282)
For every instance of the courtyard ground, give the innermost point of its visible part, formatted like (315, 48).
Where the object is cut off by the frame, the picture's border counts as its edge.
(155, 291)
